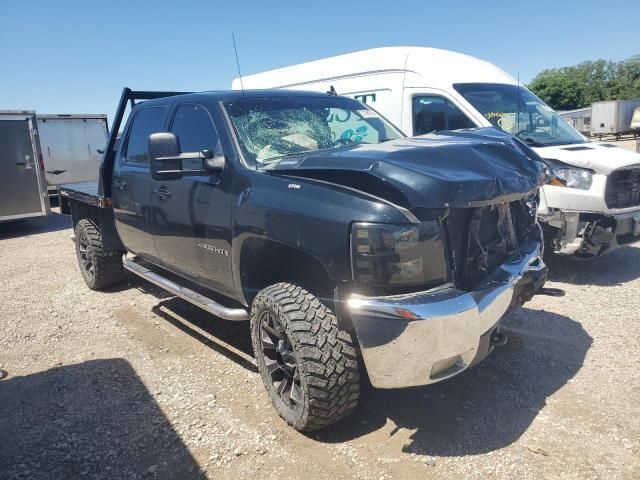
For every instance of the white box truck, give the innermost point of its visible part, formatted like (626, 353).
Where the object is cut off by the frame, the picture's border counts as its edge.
(23, 191)
(613, 117)
(72, 147)
(594, 206)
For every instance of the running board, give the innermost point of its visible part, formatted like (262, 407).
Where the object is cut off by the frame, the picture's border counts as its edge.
(236, 314)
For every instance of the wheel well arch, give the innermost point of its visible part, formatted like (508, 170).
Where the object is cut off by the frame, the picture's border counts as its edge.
(102, 217)
(265, 262)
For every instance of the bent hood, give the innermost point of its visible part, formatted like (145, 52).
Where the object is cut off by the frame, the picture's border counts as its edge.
(452, 169)
(602, 158)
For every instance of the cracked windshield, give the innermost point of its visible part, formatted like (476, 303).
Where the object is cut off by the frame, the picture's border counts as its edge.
(519, 112)
(270, 129)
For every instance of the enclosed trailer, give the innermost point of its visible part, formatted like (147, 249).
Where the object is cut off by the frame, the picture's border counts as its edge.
(580, 119)
(23, 191)
(612, 118)
(72, 147)
(635, 121)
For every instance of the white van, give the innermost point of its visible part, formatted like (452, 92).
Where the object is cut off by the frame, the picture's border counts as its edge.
(421, 90)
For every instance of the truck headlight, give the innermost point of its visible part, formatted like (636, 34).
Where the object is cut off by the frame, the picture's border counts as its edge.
(572, 177)
(575, 177)
(398, 255)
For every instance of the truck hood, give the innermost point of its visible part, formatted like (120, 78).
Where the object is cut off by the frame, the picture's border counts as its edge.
(453, 169)
(602, 158)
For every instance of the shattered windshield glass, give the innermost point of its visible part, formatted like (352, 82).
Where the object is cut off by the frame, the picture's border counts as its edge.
(519, 112)
(271, 128)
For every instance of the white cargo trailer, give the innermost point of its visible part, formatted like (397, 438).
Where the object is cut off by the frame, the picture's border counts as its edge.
(71, 147)
(23, 191)
(613, 117)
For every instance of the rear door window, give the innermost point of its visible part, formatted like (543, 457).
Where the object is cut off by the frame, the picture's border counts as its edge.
(145, 122)
(431, 112)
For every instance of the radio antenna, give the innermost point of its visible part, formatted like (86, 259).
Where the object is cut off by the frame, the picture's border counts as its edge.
(518, 107)
(235, 49)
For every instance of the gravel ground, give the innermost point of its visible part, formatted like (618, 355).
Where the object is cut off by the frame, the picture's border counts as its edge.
(627, 142)
(131, 383)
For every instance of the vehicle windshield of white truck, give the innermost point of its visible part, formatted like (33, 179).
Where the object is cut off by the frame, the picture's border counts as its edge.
(270, 129)
(519, 112)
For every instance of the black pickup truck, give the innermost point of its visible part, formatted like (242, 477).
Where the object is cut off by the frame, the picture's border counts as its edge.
(349, 247)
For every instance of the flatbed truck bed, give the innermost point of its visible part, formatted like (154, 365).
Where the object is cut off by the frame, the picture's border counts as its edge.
(86, 192)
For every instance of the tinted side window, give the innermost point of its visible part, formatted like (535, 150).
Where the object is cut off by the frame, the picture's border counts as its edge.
(194, 128)
(145, 122)
(431, 112)
(456, 119)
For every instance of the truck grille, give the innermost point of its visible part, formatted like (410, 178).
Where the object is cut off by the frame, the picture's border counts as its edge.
(623, 188)
(482, 238)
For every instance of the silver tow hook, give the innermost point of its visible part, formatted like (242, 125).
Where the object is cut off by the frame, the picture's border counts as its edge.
(498, 339)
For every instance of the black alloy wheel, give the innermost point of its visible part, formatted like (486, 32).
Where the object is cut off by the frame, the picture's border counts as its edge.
(86, 256)
(280, 361)
(308, 365)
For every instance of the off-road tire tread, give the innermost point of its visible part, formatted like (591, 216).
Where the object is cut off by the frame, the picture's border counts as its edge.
(108, 265)
(328, 358)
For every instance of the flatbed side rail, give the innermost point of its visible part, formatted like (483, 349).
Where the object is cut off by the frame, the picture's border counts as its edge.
(106, 166)
(97, 201)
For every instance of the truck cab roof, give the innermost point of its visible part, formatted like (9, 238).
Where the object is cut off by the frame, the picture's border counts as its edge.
(225, 95)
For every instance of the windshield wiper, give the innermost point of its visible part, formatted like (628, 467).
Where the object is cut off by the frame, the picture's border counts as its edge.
(531, 142)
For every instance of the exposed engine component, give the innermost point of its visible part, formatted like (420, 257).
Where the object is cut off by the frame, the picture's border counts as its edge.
(493, 233)
(586, 235)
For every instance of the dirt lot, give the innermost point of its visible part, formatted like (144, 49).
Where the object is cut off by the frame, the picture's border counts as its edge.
(131, 383)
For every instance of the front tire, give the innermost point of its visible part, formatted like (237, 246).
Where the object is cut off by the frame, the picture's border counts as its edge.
(100, 269)
(308, 365)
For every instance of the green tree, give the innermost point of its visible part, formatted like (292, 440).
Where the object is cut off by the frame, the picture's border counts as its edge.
(580, 85)
(627, 80)
(558, 88)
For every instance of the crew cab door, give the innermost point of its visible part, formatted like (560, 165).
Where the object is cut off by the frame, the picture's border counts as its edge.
(192, 214)
(131, 184)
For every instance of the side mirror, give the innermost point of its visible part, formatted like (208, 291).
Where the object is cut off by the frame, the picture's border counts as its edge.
(164, 156)
(169, 163)
(212, 162)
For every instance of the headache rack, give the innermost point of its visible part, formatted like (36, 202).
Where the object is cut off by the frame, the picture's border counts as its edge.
(106, 166)
(623, 188)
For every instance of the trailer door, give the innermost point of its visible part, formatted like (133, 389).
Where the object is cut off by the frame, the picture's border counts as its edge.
(20, 195)
(70, 148)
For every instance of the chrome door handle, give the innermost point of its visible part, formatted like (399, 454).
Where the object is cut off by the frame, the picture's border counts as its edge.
(163, 193)
(119, 184)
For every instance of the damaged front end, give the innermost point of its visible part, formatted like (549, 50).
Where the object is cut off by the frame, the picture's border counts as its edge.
(428, 336)
(588, 235)
(493, 233)
(589, 221)
(427, 296)
(494, 259)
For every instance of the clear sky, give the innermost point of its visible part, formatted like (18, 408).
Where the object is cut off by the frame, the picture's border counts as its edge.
(74, 56)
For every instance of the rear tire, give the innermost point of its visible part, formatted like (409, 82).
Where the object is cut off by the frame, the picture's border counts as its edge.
(308, 366)
(100, 269)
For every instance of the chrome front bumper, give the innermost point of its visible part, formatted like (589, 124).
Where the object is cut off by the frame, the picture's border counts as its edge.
(426, 337)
